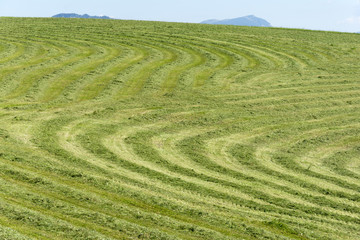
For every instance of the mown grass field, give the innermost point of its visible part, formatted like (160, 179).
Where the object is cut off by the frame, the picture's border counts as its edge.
(148, 130)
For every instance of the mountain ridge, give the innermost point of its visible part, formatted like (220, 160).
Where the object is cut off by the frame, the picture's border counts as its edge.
(75, 15)
(250, 20)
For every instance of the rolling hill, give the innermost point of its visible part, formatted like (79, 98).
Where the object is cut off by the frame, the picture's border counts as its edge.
(150, 130)
(251, 21)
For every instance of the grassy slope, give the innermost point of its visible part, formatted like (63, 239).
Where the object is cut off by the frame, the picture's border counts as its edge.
(144, 130)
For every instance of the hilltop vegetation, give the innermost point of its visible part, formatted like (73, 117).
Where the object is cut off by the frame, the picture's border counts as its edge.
(150, 130)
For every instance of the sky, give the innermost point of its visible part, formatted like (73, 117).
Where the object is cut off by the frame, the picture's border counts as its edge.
(331, 15)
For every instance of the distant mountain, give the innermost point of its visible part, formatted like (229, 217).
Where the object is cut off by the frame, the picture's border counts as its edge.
(250, 20)
(74, 15)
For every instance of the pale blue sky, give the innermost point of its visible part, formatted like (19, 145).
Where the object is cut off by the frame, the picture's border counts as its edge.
(337, 15)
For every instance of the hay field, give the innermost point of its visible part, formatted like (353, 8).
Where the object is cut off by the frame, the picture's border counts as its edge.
(147, 130)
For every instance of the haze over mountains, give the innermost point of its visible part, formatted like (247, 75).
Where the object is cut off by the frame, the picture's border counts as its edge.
(74, 15)
(250, 20)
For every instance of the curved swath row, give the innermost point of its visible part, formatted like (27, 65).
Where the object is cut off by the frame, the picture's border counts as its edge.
(147, 130)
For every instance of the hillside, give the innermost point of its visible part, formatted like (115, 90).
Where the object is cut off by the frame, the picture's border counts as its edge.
(149, 130)
(251, 21)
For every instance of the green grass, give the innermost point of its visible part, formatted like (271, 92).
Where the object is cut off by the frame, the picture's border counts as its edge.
(148, 130)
